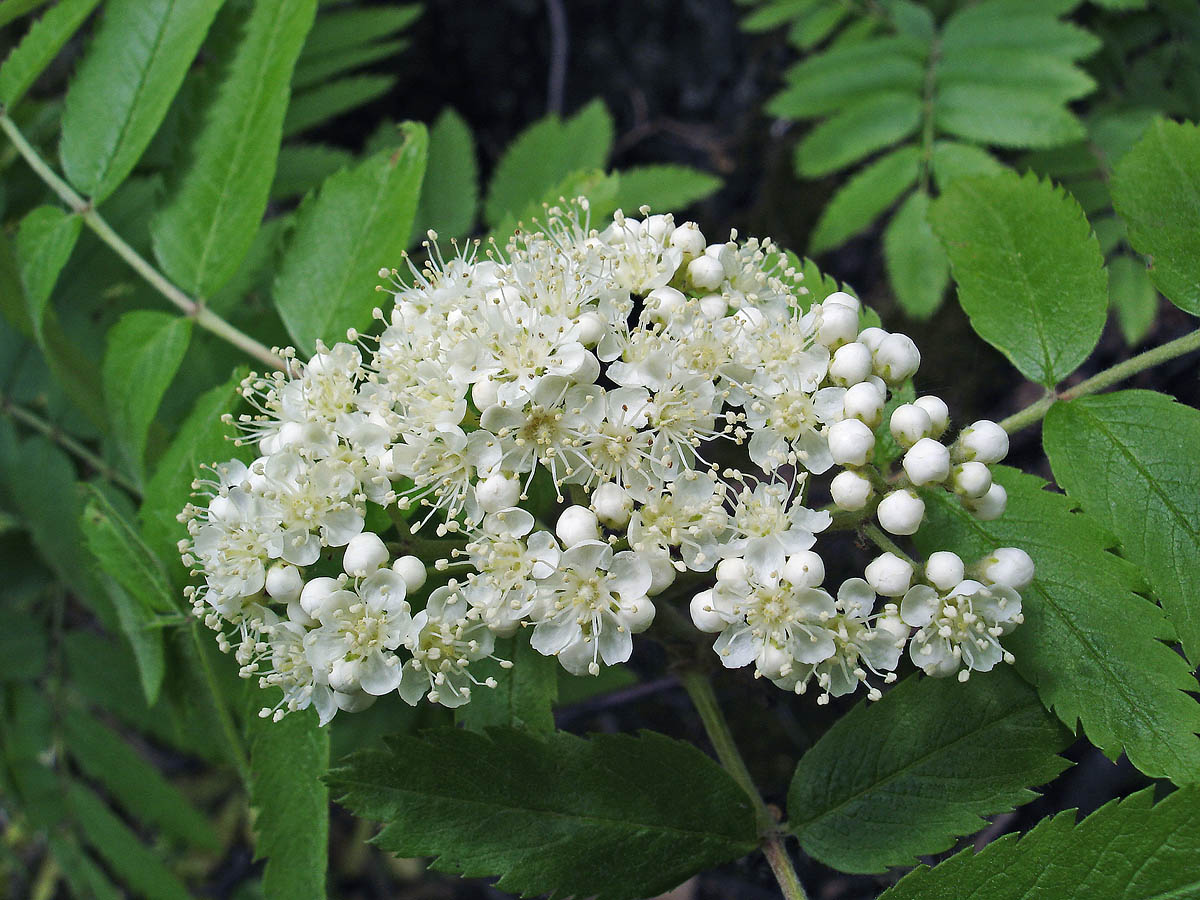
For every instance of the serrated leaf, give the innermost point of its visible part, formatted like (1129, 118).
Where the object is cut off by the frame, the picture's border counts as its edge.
(320, 104)
(39, 46)
(1129, 459)
(917, 265)
(953, 160)
(1005, 117)
(202, 439)
(119, 96)
(203, 232)
(1090, 645)
(862, 199)
(1132, 294)
(824, 83)
(1128, 849)
(145, 350)
(145, 640)
(359, 222)
(127, 857)
(543, 155)
(858, 130)
(551, 814)
(1156, 189)
(450, 192)
(524, 693)
(133, 782)
(349, 28)
(1000, 25)
(1029, 271)
(321, 69)
(302, 167)
(906, 776)
(288, 759)
(14, 9)
(664, 188)
(1038, 73)
(44, 243)
(85, 878)
(817, 23)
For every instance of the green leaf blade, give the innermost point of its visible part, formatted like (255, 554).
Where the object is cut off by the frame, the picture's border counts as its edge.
(1029, 270)
(44, 243)
(917, 265)
(524, 694)
(905, 776)
(124, 85)
(358, 223)
(38, 48)
(857, 131)
(1006, 116)
(552, 813)
(863, 198)
(664, 188)
(204, 231)
(450, 192)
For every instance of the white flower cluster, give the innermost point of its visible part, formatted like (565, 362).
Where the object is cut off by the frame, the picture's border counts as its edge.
(578, 423)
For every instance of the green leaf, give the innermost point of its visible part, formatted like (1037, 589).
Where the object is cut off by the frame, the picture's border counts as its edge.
(303, 167)
(85, 878)
(862, 199)
(818, 23)
(664, 188)
(145, 350)
(828, 81)
(1091, 646)
(14, 9)
(44, 243)
(23, 645)
(858, 130)
(1128, 849)
(543, 155)
(127, 857)
(314, 71)
(774, 13)
(450, 192)
(552, 813)
(1129, 459)
(202, 439)
(145, 640)
(138, 786)
(1029, 270)
(39, 47)
(288, 759)
(124, 85)
(524, 693)
(358, 223)
(1048, 76)
(204, 231)
(1000, 25)
(1132, 294)
(1005, 116)
(320, 104)
(350, 28)
(953, 160)
(916, 262)
(1156, 189)
(944, 753)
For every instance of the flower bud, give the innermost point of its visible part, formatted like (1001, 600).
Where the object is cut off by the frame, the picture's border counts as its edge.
(662, 573)
(939, 413)
(901, 512)
(638, 616)
(991, 505)
(485, 393)
(851, 442)
(872, 338)
(984, 441)
(689, 239)
(316, 592)
(732, 570)
(576, 525)
(705, 273)
(972, 479)
(944, 569)
(284, 582)
(909, 424)
(927, 462)
(864, 401)
(591, 329)
(713, 307)
(658, 227)
(704, 616)
(364, 554)
(851, 364)
(804, 569)
(839, 325)
(664, 303)
(497, 492)
(1009, 566)
(889, 575)
(612, 504)
(851, 490)
(412, 570)
(896, 358)
(772, 660)
(841, 298)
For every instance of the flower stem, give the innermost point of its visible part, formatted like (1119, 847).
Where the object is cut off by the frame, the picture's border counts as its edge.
(883, 542)
(57, 435)
(699, 688)
(194, 309)
(1036, 411)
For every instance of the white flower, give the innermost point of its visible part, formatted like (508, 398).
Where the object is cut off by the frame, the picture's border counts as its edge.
(769, 524)
(960, 630)
(689, 515)
(445, 638)
(510, 561)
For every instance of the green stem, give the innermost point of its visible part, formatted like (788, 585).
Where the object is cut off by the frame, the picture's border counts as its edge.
(883, 542)
(699, 688)
(68, 443)
(228, 726)
(927, 101)
(1036, 411)
(194, 309)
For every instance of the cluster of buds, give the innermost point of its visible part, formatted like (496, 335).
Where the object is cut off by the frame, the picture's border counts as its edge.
(566, 433)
